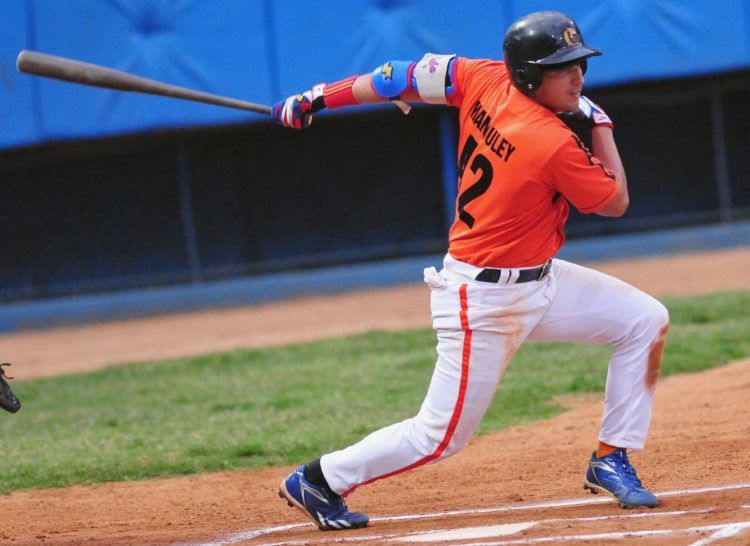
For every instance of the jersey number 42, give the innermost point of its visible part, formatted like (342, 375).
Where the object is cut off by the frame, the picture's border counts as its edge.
(480, 163)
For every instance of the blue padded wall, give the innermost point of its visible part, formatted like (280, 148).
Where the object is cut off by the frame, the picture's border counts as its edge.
(19, 119)
(262, 50)
(219, 47)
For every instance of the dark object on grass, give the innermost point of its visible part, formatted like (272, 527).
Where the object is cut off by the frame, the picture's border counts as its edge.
(8, 400)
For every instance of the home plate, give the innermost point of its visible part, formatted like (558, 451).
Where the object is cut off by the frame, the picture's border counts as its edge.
(466, 533)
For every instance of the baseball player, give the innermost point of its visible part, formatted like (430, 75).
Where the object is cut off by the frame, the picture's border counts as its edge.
(520, 167)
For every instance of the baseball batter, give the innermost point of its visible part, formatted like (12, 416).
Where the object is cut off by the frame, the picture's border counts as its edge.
(520, 167)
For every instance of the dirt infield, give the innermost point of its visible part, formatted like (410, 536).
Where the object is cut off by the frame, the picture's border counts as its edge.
(699, 439)
(698, 456)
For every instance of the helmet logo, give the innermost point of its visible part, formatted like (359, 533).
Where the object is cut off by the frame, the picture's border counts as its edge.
(571, 37)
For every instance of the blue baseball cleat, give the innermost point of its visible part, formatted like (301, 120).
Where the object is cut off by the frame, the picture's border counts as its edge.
(615, 476)
(324, 507)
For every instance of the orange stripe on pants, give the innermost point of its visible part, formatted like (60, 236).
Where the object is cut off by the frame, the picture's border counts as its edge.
(456, 416)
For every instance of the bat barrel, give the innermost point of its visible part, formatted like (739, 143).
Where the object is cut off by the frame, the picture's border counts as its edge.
(70, 70)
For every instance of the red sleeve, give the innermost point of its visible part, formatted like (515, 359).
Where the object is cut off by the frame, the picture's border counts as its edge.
(580, 177)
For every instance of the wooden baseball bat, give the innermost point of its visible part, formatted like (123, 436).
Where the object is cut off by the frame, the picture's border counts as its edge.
(70, 70)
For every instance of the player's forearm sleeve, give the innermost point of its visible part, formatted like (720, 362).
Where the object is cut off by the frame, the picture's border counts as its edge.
(339, 94)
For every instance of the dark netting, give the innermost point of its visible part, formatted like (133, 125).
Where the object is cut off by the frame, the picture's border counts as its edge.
(361, 187)
(737, 120)
(664, 132)
(167, 208)
(81, 219)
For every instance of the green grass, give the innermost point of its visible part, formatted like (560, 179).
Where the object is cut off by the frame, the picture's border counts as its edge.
(255, 408)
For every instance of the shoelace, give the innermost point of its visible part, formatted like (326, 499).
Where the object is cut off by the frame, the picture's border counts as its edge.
(337, 502)
(629, 471)
(342, 506)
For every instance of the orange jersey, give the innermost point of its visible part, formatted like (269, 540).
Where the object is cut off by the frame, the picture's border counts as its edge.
(518, 166)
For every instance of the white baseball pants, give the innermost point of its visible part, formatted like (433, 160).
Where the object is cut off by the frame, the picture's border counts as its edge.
(479, 327)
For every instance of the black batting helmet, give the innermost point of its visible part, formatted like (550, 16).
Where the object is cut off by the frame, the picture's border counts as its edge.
(544, 39)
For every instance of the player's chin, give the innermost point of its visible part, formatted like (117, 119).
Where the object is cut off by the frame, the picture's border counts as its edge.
(571, 103)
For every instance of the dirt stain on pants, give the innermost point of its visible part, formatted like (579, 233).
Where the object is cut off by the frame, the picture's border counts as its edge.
(654, 358)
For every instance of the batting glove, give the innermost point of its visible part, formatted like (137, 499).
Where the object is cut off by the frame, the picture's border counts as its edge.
(594, 113)
(584, 118)
(296, 111)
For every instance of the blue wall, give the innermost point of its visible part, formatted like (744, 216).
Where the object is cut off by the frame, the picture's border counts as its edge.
(262, 50)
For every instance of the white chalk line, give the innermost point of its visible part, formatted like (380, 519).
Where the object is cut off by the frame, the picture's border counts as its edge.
(548, 520)
(610, 536)
(555, 504)
(726, 532)
(247, 535)
(467, 533)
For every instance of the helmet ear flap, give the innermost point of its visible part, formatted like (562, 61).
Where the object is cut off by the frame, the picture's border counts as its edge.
(529, 78)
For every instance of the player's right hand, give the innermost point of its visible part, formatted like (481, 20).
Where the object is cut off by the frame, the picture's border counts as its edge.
(594, 113)
(585, 117)
(296, 111)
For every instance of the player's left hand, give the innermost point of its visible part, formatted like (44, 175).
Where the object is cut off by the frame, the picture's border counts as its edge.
(296, 111)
